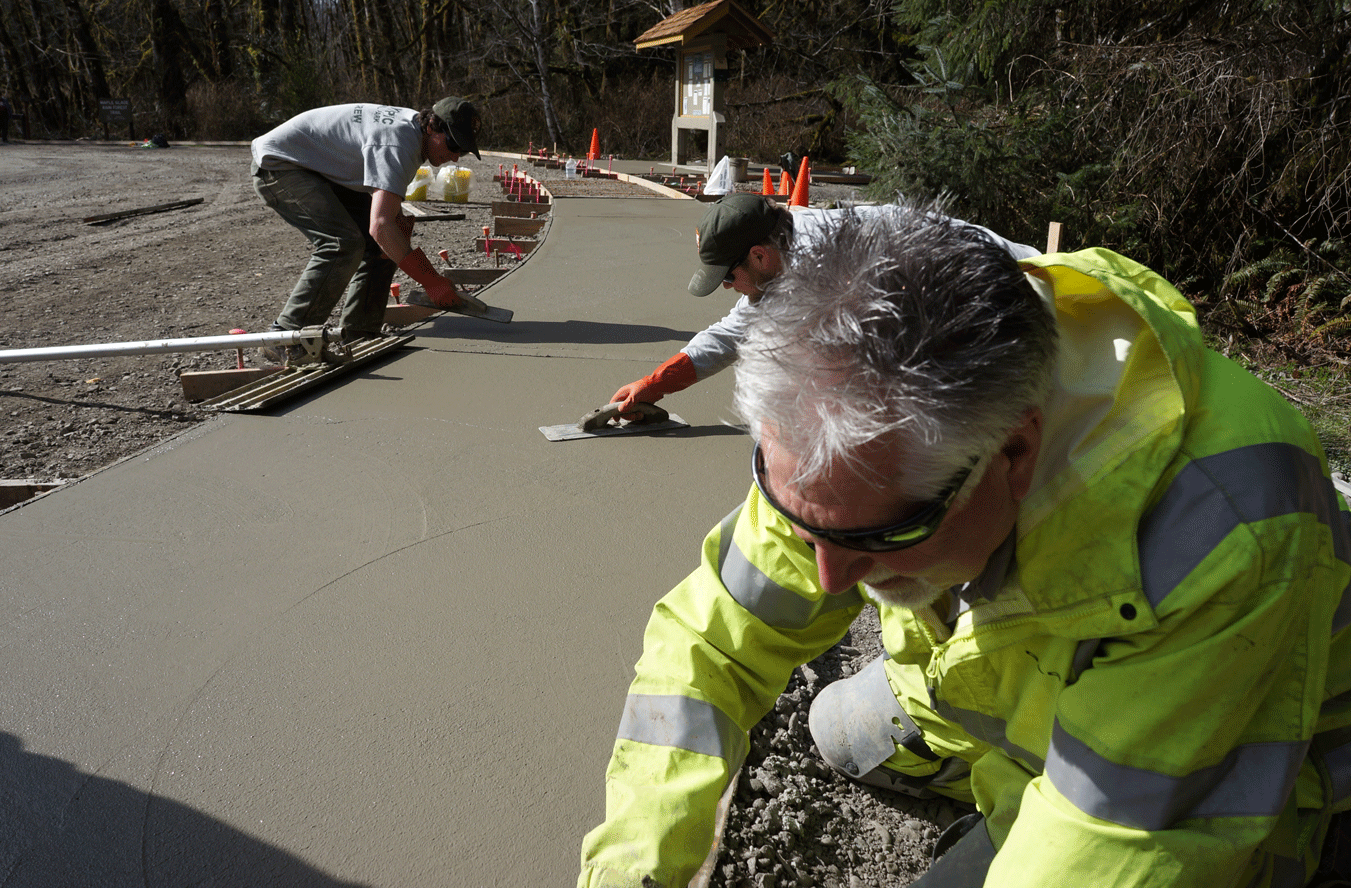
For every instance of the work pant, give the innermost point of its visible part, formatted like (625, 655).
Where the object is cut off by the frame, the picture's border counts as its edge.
(344, 256)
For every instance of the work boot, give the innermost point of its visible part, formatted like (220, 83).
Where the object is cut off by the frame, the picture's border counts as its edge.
(275, 352)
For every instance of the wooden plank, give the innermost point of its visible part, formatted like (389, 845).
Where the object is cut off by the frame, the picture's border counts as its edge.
(1053, 237)
(15, 492)
(402, 315)
(200, 385)
(505, 245)
(437, 217)
(463, 277)
(141, 211)
(510, 226)
(521, 209)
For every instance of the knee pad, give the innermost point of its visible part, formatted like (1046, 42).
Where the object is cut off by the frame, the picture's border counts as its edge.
(857, 724)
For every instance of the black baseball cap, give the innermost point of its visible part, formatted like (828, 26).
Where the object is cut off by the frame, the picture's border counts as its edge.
(732, 225)
(461, 121)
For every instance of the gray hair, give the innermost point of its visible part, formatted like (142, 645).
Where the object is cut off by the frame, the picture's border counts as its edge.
(906, 327)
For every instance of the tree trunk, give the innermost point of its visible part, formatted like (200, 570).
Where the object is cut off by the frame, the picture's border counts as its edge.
(89, 51)
(537, 37)
(166, 32)
(219, 49)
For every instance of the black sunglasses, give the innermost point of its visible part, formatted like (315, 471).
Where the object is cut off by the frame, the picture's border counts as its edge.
(892, 538)
(730, 277)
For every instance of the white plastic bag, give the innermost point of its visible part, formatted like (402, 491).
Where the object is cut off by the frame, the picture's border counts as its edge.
(720, 180)
(436, 188)
(417, 189)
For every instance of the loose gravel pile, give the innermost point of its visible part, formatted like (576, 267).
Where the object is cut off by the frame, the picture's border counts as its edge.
(796, 822)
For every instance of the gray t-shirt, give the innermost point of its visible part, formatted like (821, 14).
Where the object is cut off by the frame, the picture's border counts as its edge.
(363, 147)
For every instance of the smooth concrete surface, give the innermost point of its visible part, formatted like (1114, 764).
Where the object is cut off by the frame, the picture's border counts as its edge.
(381, 636)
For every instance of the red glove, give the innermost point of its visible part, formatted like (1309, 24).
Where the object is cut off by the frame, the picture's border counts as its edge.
(675, 374)
(439, 290)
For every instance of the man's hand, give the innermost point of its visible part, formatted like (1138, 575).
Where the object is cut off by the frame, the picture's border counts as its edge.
(440, 291)
(632, 393)
(675, 374)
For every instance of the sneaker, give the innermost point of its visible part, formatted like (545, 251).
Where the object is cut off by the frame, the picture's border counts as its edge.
(285, 355)
(272, 354)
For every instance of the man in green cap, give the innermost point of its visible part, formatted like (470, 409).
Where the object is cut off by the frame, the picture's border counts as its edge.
(338, 174)
(744, 240)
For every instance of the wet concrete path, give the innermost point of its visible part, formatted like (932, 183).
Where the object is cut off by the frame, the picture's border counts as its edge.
(381, 636)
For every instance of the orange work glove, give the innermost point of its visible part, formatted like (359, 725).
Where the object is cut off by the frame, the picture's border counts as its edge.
(675, 374)
(439, 290)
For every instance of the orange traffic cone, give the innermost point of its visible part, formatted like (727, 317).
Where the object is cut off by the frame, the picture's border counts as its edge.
(799, 198)
(768, 186)
(594, 153)
(785, 184)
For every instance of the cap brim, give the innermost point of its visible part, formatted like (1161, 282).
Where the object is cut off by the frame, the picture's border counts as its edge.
(462, 138)
(707, 278)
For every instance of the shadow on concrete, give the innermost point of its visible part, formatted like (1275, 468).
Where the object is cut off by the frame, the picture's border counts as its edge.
(706, 431)
(545, 332)
(60, 826)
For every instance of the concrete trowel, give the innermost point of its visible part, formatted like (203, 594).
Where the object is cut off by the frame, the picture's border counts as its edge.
(468, 306)
(597, 423)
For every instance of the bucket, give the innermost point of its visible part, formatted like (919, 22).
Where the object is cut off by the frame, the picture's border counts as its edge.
(739, 165)
(456, 181)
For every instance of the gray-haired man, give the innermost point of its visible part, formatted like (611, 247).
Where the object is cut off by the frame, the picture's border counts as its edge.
(1112, 573)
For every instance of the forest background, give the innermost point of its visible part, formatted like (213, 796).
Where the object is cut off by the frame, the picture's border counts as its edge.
(1206, 139)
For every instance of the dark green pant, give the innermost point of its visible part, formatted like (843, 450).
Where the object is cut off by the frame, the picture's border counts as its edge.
(344, 256)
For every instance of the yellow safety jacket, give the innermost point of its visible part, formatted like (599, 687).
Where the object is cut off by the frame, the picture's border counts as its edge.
(1160, 690)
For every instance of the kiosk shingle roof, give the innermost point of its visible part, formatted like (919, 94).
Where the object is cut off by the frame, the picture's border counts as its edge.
(743, 29)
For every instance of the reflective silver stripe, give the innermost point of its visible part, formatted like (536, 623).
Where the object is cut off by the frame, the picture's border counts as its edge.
(1213, 495)
(1338, 763)
(765, 599)
(988, 728)
(683, 723)
(1252, 781)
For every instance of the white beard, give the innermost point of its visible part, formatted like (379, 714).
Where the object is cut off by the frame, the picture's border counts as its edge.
(913, 593)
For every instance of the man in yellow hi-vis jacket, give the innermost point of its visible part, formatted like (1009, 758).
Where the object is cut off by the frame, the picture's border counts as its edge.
(1113, 576)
